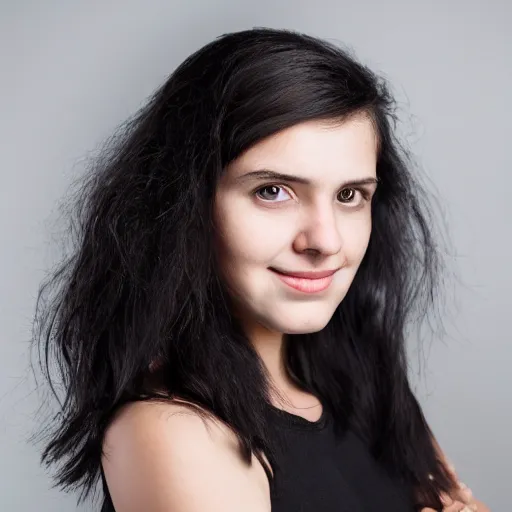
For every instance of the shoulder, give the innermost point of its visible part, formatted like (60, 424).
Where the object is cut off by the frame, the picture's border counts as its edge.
(161, 456)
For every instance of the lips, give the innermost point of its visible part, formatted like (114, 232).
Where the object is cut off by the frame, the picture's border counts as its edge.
(302, 281)
(306, 274)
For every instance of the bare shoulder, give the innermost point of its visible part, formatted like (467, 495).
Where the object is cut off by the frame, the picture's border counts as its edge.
(159, 457)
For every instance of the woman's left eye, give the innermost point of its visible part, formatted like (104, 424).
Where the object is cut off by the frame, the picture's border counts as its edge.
(347, 195)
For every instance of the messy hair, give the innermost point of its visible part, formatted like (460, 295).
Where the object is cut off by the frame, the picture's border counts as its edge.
(139, 306)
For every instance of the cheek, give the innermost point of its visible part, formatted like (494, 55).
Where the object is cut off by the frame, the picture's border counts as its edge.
(249, 238)
(356, 237)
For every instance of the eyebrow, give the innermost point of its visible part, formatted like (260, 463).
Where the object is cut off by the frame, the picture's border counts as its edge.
(262, 174)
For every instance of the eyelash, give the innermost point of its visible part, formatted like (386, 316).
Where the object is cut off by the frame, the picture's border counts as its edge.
(364, 193)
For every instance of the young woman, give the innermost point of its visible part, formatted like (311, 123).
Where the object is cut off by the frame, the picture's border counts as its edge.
(231, 326)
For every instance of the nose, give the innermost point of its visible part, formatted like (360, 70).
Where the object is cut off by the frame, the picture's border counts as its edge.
(319, 232)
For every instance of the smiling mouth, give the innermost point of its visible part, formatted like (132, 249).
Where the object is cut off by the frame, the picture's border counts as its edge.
(308, 274)
(302, 281)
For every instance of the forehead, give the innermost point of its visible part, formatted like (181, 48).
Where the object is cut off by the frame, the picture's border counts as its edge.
(315, 150)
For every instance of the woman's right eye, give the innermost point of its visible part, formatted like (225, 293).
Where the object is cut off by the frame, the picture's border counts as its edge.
(270, 193)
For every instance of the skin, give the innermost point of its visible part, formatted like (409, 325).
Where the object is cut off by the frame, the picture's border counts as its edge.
(163, 457)
(295, 227)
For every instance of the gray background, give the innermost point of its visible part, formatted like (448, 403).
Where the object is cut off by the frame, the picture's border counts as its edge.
(71, 71)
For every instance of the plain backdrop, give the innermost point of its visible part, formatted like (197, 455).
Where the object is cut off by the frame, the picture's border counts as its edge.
(72, 71)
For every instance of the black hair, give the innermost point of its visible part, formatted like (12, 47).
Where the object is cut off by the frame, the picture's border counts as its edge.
(140, 299)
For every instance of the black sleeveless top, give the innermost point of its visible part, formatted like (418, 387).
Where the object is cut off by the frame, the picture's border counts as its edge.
(321, 471)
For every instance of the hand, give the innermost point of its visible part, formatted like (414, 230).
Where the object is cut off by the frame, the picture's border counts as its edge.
(455, 505)
(460, 499)
(462, 495)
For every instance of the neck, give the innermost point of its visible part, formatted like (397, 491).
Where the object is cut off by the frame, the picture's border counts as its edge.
(270, 348)
(285, 393)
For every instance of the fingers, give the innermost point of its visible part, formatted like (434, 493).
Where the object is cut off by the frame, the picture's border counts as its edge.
(466, 491)
(451, 505)
(461, 499)
(465, 495)
(456, 506)
(462, 494)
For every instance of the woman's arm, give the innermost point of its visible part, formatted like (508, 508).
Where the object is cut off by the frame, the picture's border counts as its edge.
(162, 458)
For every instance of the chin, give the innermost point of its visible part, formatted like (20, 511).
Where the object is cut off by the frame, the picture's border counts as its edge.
(302, 326)
(305, 329)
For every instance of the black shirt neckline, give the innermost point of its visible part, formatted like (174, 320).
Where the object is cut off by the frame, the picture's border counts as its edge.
(290, 420)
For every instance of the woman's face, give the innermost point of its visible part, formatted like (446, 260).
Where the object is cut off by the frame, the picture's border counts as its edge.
(316, 219)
